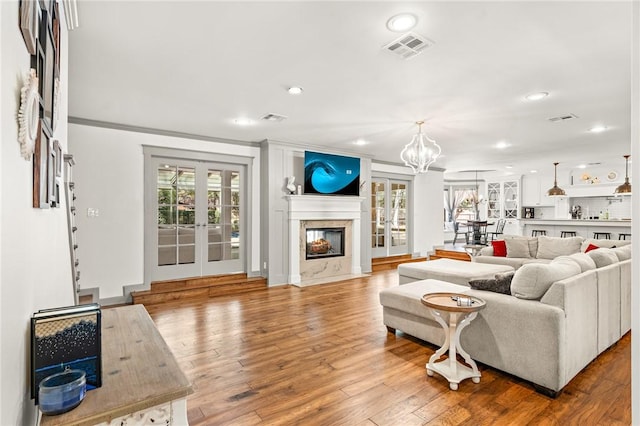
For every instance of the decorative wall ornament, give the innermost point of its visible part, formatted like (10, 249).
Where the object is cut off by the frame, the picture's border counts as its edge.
(28, 115)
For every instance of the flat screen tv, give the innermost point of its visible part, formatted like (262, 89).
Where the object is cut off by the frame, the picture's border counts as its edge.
(329, 174)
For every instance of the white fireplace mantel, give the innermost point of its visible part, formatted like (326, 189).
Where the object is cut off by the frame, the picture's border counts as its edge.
(321, 207)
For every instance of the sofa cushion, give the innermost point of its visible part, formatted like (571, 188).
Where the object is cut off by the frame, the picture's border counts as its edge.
(582, 259)
(533, 243)
(623, 253)
(499, 248)
(518, 248)
(603, 243)
(500, 284)
(533, 280)
(603, 256)
(552, 247)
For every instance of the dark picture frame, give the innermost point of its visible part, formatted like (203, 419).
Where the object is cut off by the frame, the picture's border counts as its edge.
(29, 24)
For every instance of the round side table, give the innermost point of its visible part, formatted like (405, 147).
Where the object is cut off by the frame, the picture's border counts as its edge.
(462, 309)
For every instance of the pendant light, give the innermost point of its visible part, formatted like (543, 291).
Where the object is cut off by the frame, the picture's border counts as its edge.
(420, 152)
(625, 188)
(556, 191)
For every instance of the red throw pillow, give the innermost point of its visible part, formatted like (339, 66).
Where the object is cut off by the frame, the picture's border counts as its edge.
(499, 248)
(591, 247)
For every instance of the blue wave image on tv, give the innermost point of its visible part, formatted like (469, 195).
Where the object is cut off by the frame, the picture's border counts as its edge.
(331, 174)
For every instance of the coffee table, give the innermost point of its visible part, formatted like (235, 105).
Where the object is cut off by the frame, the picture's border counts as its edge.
(462, 309)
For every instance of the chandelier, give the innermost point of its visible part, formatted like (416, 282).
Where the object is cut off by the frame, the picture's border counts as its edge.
(420, 152)
(625, 188)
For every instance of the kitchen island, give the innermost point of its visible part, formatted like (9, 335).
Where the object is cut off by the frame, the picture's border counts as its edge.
(583, 228)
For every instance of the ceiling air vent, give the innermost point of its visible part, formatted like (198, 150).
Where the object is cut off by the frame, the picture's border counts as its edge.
(562, 118)
(408, 45)
(273, 117)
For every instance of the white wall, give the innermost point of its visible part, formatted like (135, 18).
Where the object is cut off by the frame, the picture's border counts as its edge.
(428, 205)
(35, 271)
(109, 176)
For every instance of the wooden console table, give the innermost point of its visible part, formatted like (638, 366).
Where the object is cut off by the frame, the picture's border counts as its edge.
(141, 380)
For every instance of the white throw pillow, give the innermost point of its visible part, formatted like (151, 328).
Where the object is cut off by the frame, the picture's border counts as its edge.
(533, 243)
(518, 248)
(552, 247)
(533, 280)
(603, 256)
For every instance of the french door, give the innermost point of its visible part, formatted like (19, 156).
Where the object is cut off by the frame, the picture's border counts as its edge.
(389, 224)
(195, 219)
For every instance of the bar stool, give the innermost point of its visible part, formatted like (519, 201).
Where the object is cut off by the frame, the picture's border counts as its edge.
(536, 232)
(622, 236)
(564, 234)
(602, 235)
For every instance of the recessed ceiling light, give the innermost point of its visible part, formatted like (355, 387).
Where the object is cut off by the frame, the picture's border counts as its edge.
(536, 96)
(360, 142)
(508, 167)
(598, 129)
(502, 145)
(582, 166)
(242, 121)
(294, 90)
(533, 171)
(402, 22)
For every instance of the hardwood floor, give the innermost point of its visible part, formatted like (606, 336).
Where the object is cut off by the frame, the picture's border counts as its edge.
(321, 356)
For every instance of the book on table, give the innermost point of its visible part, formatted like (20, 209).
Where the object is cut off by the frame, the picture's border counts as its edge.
(66, 338)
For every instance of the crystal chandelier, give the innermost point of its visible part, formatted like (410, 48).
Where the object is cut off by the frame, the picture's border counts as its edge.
(420, 152)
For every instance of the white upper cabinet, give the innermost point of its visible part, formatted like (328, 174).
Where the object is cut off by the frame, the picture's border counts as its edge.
(534, 192)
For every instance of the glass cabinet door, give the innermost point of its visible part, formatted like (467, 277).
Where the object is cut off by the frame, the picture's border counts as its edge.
(493, 200)
(510, 200)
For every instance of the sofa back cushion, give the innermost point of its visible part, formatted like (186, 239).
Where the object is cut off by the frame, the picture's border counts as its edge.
(603, 256)
(533, 280)
(583, 260)
(603, 243)
(532, 241)
(552, 247)
(517, 247)
(623, 253)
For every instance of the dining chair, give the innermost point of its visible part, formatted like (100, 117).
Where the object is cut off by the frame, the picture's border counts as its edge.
(460, 228)
(499, 229)
(477, 232)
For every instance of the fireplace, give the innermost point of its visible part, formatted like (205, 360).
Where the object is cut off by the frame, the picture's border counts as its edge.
(324, 242)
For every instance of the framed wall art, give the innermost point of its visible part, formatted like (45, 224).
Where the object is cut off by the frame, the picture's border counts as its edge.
(29, 20)
(40, 169)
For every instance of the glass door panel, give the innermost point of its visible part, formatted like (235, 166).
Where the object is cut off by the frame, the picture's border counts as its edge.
(197, 218)
(389, 224)
(175, 188)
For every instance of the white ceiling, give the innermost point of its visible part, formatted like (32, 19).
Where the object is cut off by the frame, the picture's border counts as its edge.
(194, 67)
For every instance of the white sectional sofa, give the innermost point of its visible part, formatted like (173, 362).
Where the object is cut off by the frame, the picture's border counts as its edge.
(522, 250)
(562, 315)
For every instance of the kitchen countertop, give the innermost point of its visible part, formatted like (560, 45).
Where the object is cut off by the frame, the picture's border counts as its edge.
(579, 222)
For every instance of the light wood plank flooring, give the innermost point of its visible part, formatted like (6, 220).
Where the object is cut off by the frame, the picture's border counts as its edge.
(321, 356)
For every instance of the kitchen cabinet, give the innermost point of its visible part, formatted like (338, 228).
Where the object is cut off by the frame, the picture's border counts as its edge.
(503, 202)
(534, 192)
(503, 199)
